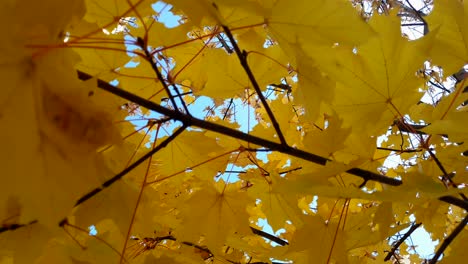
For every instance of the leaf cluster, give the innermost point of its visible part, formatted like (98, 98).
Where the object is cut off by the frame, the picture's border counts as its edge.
(307, 131)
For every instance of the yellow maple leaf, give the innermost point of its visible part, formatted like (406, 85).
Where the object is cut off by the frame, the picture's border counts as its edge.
(451, 44)
(219, 212)
(54, 127)
(317, 241)
(278, 206)
(329, 140)
(318, 22)
(376, 81)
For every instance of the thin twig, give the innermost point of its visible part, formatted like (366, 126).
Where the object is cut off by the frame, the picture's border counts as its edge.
(243, 60)
(288, 171)
(172, 238)
(142, 44)
(125, 171)
(401, 240)
(227, 109)
(400, 150)
(271, 237)
(181, 99)
(12, 227)
(449, 240)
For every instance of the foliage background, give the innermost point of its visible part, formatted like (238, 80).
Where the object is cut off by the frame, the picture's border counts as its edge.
(355, 131)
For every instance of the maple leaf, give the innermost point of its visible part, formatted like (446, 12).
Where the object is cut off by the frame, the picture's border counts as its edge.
(380, 75)
(325, 244)
(317, 23)
(221, 211)
(56, 127)
(450, 46)
(277, 205)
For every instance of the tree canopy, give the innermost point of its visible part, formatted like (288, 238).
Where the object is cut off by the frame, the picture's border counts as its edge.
(339, 124)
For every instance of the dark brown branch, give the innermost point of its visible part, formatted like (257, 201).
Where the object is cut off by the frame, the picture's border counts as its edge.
(125, 171)
(156, 240)
(12, 227)
(455, 201)
(412, 12)
(446, 176)
(271, 237)
(142, 44)
(409, 128)
(224, 44)
(460, 76)
(205, 249)
(243, 61)
(401, 240)
(179, 95)
(449, 240)
(188, 120)
(439, 86)
(227, 109)
(412, 24)
(235, 171)
(401, 150)
(290, 170)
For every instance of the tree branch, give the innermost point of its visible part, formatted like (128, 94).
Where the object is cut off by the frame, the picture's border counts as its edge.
(188, 120)
(271, 237)
(142, 44)
(125, 171)
(243, 61)
(270, 145)
(156, 240)
(401, 240)
(12, 227)
(449, 239)
(455, 201)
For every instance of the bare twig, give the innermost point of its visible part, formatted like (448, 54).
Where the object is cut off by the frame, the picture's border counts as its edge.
(153, 241)
(401, 240)
(125, 171)
(243, 61)
(269, 236)
(12, 227)
(142, 44)
(400, 150)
